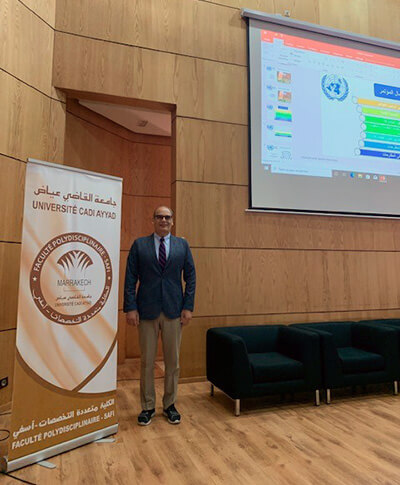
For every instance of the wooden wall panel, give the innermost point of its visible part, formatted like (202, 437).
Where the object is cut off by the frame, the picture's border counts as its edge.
(137, 217)
(240, 282)
(144, 167)
(384, 19)
(202, 157)
(341, 14)
(82, 148)
(56, 132)
(45, 9)
(87, 115)
(316, 232)
(306, 10)
(267, 6)
(11, 198)
(173, 160)
(213, 215)
(148, 170)
(193, 348)
(25, 118)
(25, 41)
(369, 17)
(95, 66)
(9, 279)
(191, 27)
(7, 352)
(200, 88)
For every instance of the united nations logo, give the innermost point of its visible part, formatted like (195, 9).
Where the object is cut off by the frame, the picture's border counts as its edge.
(335, 87)
(71, 278)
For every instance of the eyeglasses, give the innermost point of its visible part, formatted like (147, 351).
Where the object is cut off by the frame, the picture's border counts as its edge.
(159, 217)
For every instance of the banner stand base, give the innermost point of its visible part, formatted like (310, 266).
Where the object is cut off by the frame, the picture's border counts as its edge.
(46, 464)
(10, 466)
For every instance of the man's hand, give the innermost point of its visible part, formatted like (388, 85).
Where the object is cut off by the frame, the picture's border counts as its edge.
(132, 318)
(186, 316)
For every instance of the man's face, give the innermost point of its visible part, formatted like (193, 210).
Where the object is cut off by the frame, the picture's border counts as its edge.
(163, 221)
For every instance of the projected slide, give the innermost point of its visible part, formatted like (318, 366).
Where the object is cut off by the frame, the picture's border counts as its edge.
(328, 110)
(324, 119)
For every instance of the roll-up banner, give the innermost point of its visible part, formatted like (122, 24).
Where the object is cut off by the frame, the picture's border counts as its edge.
(66, 349)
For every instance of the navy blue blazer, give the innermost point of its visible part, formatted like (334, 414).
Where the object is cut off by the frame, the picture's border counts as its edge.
(159, 291)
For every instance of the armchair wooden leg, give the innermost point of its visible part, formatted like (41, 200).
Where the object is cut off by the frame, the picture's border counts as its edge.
(237, 407)
(212, 390)
(328, 396)
(395, 388)
(317, 399)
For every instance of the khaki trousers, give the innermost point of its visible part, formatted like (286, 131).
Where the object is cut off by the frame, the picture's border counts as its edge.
(171, 334)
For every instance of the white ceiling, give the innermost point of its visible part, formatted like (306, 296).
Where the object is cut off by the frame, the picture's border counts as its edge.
(138, 120)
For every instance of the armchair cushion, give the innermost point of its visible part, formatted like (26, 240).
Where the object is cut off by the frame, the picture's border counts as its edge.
(355, 360)
(275, 367)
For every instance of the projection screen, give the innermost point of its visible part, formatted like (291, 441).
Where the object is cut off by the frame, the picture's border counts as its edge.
(324, 125)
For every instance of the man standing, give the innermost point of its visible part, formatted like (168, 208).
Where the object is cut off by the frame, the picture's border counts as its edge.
(157, 262)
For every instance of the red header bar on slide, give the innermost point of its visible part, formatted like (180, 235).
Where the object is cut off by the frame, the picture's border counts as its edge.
(330, 49)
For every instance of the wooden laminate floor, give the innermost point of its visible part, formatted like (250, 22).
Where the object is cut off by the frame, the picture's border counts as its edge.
(355, 440)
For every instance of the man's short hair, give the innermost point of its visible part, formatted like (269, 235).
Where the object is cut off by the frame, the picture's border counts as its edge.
(156, 209)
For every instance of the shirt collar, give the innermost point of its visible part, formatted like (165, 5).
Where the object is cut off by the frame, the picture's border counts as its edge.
(166, 238)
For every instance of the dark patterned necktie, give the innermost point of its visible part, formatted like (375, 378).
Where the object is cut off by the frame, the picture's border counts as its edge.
(162, 255)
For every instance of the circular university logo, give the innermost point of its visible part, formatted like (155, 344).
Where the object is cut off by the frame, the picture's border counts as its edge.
(335, 87)
(71, 278)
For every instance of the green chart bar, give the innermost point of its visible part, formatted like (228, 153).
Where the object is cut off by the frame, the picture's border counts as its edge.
(381, 112)
(387, 130)
(381, 121)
